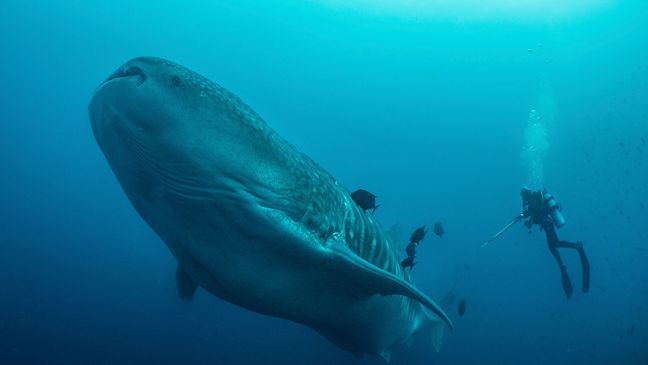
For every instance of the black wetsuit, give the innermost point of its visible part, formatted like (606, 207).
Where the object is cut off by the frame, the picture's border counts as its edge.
(536, 209)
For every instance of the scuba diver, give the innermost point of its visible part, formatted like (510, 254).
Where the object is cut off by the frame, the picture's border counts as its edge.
(541, 208)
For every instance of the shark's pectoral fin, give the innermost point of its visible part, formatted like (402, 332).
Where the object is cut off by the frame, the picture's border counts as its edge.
(185, 284)
(374, 280)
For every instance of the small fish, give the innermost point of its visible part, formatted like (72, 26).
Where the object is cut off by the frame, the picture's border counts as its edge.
(410, 250)
(438, 229)
(365, 200)
(462, 307)
(408, 262)
(418, 235)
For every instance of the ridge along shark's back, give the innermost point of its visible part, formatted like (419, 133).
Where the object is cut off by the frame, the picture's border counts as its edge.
(248, 217)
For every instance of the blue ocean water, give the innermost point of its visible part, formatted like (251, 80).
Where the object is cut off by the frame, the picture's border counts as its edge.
(442, 112)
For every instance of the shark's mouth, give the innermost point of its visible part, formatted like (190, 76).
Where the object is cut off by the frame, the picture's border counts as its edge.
(127, 72)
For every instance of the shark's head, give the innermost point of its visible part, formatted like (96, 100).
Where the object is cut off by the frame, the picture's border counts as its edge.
(172, 136)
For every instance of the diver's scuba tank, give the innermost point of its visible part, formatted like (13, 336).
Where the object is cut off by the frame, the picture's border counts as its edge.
(554, 210)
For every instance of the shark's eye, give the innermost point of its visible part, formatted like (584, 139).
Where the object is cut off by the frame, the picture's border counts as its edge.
(176, 81)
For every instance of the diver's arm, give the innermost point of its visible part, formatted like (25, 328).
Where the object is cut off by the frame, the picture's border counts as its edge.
(525, 209)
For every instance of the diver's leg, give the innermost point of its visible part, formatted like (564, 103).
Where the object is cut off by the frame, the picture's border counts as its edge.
(567, 244)
(566, 283)
(553, 243)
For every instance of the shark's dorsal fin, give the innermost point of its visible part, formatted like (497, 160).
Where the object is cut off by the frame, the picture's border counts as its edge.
(186, 285)
(374, 280)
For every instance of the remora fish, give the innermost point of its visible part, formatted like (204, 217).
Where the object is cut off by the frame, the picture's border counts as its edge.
(247, 216)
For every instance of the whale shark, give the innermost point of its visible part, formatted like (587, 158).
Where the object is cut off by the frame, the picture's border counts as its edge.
(248, 217)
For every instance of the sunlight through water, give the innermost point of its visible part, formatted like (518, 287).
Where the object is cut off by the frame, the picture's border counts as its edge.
(478, 10)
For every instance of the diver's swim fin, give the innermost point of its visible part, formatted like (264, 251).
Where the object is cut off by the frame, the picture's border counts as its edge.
(585, 267)
(567, 285)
